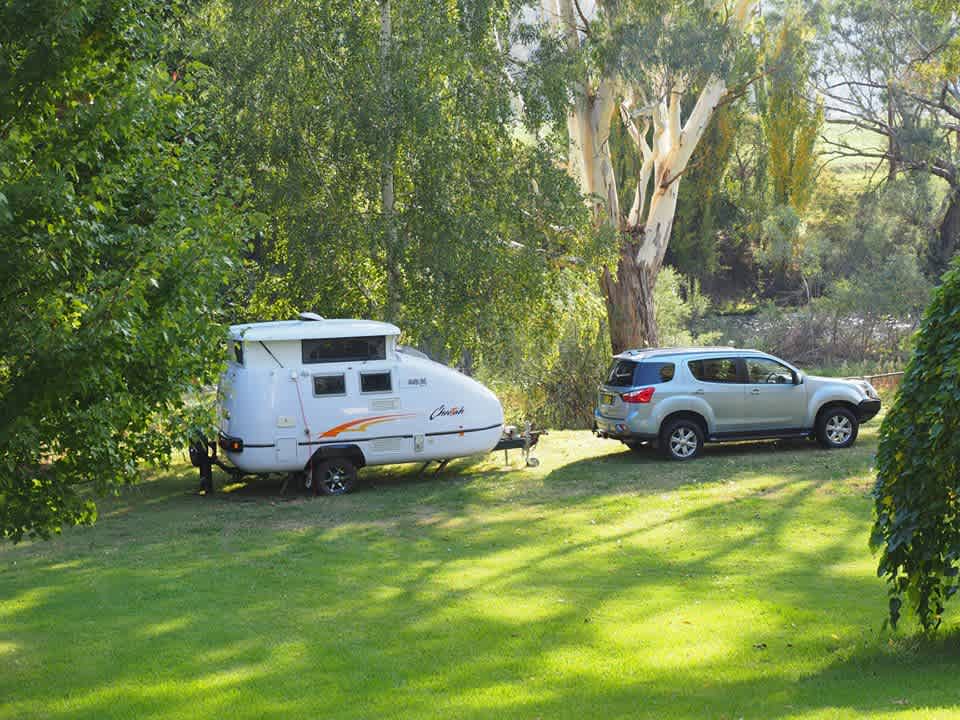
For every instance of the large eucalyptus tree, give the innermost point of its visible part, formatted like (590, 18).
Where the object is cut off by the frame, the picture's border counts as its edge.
(638, 59)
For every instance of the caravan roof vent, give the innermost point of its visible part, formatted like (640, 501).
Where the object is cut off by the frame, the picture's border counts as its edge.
(310, 316)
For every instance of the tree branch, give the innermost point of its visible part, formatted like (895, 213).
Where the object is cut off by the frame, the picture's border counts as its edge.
(583, 18)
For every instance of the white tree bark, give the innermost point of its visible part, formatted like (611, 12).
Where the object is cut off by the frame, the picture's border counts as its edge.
(665, 158)
(665, 142)
(588, 124)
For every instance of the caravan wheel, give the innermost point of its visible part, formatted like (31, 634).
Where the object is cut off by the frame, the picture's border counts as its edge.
(336, 476)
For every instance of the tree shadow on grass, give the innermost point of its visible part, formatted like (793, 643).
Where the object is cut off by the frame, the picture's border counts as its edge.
(458, 470)
(389, 628)
(465, 470)
(557, 600)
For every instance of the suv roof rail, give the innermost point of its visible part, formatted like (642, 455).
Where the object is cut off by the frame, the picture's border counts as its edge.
(658, 351)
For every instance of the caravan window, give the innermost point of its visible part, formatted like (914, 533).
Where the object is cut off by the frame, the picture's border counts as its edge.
(329, 385)
(375, 382)
(329, 350)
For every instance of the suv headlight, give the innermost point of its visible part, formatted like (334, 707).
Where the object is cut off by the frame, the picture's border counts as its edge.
(868, 390)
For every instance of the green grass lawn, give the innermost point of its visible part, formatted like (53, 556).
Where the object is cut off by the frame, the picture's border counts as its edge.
(602, 584)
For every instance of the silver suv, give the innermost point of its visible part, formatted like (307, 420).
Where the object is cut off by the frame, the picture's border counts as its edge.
(679, 398)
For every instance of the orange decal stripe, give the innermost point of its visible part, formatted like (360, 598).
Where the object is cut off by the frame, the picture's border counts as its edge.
(362, 424)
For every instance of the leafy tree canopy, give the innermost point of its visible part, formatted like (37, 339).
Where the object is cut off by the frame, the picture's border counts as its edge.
(320, 104)
(117, 229)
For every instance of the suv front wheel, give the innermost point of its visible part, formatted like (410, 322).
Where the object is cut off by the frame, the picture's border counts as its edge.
(681, 439)
(837, 427)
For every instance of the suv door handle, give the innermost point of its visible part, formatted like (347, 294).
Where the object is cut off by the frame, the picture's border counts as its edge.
(755, 391)
(698, 392)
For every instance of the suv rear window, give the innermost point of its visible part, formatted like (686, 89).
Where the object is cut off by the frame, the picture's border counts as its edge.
(628, 373)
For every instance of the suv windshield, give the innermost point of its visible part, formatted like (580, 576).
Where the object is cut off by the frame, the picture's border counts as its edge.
(629, 373)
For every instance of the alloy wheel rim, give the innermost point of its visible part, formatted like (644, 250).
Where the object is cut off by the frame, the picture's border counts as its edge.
(683, 442)
(839, 429)
(335, 480)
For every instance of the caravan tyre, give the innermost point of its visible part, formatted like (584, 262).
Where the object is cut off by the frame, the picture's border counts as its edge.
(336, 476)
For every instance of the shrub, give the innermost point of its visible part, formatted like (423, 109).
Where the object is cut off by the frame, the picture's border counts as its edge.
(870, 318)
(917, 492)
(679, 303)
(555, 383)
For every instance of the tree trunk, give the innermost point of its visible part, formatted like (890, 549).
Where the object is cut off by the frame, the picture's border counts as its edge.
(947, 241)
(892, 150)
(393, 254)
(629, 300)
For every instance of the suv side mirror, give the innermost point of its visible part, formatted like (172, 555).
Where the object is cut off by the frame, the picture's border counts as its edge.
(797, 377)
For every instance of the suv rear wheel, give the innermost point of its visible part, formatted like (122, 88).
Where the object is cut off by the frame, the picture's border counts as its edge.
(681, 439)
(837, 427)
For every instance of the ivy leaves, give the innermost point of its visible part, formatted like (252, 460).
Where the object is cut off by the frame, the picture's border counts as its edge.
(917, 492)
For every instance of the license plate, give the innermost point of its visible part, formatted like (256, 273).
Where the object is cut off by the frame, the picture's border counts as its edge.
(606, 398)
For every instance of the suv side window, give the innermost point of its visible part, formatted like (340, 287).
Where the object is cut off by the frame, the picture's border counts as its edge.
(621, 373)
(717, 370)
(763, 371)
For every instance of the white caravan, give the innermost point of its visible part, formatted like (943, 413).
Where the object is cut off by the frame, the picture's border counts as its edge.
(326, 397)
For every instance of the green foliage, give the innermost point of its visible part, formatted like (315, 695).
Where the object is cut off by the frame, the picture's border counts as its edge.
(118, 229)
(868, 318)
(679, 304)
(900, 87)
(705, 210)
(483, 221)
(666, 45)
(791, 122)
(856, 232)
(552, 379)
(947, 65)
(656, 46)
(917, 492)
(785, 247)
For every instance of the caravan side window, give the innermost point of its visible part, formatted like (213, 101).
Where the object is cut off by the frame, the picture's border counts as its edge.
(375, 382)
(329, 385)
(330, 350)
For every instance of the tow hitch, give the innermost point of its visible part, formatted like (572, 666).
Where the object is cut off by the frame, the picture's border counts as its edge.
(524, 441)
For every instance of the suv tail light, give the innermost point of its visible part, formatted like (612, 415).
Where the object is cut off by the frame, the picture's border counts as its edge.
(638, 396)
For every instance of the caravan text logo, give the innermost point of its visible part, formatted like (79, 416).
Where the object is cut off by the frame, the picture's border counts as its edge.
(444, 411)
